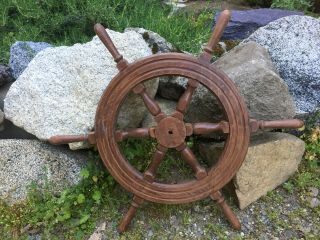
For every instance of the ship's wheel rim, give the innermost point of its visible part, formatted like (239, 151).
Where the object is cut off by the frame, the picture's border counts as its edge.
(216, 81)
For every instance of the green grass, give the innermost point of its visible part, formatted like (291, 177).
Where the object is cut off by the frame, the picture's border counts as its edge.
(71, 21)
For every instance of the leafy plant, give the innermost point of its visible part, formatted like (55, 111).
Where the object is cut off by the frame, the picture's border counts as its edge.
(302, 5)
(71, 213)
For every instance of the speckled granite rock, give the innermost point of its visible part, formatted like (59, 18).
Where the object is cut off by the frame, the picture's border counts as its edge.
(59, 91)
(294, 46)
(271, 159)
(21, 53)
(25, 161)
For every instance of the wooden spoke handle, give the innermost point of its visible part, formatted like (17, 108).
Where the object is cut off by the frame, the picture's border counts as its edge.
(65, 139)
(106, 40)
(150, 103)
(159, 154)
(136, 202)
(207, 128)
(186, 97)
(189, 157)
(230, 215)
(135, 133)
(216, 35)
(285, 123)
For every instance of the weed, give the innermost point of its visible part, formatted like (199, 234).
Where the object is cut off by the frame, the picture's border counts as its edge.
(72, 213)
(288, 186)
(303, 5)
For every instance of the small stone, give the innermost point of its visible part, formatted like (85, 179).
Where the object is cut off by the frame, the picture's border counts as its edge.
(314, 191)
(314, 202)
(5, 75)
(197, 208)
(150, 233)
(99, 232)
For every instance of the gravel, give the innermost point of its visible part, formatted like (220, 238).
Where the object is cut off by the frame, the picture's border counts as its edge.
(279, 215)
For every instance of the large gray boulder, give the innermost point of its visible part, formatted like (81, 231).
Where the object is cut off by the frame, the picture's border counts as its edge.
(249, 66)
(59, 91)
(294, 46)
(23, 162)
(21, 53)
(265, 93)
(271, 159)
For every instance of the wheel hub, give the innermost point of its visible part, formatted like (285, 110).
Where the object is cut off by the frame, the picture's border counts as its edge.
(170, 132)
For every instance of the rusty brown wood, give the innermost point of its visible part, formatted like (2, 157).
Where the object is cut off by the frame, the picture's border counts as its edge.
(158, 156)
(150, 103)
(207, 128)
(186, 97)
(189, 157)
(216, 35)
(121, 135)
(65, 139)
(149, 175)
(106, 40)
(232, 218)
(171, 131)
(179, 64)
(285, 123)
(135, 204)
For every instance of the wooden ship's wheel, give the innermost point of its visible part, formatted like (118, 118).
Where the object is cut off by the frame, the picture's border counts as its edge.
(171, 131)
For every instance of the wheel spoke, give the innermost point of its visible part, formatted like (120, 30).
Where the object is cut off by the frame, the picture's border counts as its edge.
(127, 218)
(189, 157)
(231, 216)
(150, 103)
(158, 156)
(65, 139)
(135, 133)
(284, 123)
(207, 128)
(186, 97)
